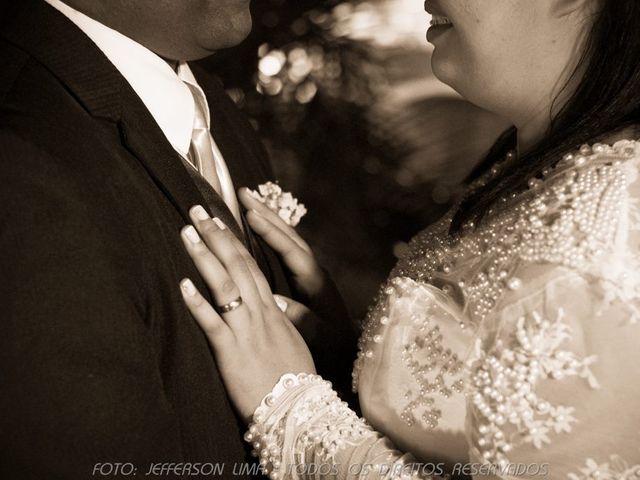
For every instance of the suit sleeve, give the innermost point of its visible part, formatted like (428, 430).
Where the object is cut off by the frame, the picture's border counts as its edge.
(79, 375)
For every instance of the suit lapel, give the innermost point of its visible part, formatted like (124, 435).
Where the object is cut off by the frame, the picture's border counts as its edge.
(61, 47)
(247, 165)
(142, 136)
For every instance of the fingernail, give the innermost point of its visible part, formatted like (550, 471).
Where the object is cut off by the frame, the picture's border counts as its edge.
(219, 223)
(200, 213)
(254, 194)
(282, 304)
(188, 287)
(192, 234)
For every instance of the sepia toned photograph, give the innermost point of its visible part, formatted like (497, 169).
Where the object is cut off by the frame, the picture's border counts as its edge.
(320, 239)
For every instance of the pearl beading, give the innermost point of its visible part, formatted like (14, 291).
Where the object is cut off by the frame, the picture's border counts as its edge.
(436, 370)
(302, 412)
(568, 217)
(503, 381)
(430, 375)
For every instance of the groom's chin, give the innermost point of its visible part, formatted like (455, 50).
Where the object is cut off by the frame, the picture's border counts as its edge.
(226, 32)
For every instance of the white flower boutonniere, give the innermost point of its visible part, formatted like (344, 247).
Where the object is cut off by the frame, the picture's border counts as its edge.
(285, 205)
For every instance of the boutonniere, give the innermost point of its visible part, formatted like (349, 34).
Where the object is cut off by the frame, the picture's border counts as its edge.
(285, 205)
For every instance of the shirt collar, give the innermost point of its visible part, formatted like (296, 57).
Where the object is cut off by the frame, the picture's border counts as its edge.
(165, 95)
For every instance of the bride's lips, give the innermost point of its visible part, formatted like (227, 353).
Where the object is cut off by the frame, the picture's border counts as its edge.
(432, 8)
(439, 21)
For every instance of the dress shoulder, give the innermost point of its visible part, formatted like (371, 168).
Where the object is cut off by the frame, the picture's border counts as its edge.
(531, 312)
(578, 216)
(583, 216)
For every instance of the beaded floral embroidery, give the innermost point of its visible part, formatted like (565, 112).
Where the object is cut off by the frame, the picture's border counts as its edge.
(570, 217)
(435, 369)
(615, 469)
(503, 382)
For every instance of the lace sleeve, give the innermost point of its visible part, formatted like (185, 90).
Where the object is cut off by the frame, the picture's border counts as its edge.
(553, 383)
(554, 386)
(550, 294)
(303, 430)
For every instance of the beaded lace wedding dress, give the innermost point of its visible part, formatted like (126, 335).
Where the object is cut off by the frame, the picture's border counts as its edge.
(512, 345)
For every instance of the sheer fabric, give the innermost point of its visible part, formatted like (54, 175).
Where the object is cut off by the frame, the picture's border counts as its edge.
(508, 351)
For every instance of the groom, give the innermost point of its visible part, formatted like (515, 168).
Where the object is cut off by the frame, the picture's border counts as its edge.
(107, 138)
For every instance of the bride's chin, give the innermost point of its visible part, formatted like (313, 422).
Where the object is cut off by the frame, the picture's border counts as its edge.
(442, 67)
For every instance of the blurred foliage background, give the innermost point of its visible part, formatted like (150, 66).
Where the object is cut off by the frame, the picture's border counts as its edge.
(357, 126)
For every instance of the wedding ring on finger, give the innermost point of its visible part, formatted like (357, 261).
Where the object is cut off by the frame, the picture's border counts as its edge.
(231, 306)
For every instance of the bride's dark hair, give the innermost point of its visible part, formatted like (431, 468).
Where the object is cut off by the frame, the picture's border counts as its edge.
(607, 100)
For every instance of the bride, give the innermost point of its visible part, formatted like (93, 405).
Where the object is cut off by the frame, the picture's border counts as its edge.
(505, 342)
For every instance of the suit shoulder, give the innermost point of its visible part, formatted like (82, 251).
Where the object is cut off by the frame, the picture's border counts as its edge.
(39, 115)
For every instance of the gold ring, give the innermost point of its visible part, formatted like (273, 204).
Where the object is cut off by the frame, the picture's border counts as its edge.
(231, 306)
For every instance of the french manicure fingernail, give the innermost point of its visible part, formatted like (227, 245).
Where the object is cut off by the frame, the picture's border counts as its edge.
(200, 213)
(188, 287)
(254, 194)
(219, 223)
(282, 304)
(192, 234)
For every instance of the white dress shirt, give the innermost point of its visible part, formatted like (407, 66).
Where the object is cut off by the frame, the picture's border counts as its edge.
(162, 90)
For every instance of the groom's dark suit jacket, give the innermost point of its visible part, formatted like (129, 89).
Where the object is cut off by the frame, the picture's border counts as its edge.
(99, 359)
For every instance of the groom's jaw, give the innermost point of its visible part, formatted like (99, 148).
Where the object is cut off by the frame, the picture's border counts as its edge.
(176, 31)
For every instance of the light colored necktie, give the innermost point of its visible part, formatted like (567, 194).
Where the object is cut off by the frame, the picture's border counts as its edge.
(201, 152)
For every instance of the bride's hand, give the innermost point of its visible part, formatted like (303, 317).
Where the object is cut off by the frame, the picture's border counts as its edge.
(253, 340)
(327, 328)
(308, 277)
